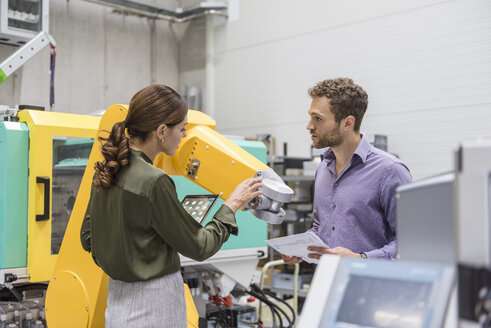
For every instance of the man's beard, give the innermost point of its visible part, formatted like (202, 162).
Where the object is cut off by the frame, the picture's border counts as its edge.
(332, 139)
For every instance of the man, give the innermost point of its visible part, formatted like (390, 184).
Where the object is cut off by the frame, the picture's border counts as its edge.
(355, 183)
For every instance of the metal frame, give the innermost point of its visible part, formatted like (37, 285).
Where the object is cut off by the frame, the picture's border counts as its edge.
(152, 10)
(24, 53)
(295, 283)
(240, 254)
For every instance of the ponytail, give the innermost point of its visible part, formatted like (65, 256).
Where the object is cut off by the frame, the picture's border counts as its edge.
(150, 107)
(116, 156)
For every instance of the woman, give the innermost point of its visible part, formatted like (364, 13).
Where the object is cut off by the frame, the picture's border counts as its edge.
(135, 225)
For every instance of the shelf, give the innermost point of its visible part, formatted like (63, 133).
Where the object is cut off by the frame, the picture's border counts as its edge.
(287, 291)
(297, 177)
(23, 17)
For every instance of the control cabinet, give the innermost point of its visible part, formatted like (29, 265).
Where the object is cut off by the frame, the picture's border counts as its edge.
(21, 20)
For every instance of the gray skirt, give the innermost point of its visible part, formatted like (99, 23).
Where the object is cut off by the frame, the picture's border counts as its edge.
(158, 303)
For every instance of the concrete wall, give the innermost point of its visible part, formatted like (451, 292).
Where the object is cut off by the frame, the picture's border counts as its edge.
(192, 60)
(425, 64)
(102, 58)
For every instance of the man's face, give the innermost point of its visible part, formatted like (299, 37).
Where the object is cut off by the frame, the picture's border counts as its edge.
(324, 130)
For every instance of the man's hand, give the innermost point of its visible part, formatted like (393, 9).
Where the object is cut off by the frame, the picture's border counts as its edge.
(290, 259)
(341, 251)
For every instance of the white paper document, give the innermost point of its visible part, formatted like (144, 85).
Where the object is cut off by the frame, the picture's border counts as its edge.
(296, 245)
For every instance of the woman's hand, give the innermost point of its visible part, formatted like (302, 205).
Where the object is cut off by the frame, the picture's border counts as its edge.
(243, 193)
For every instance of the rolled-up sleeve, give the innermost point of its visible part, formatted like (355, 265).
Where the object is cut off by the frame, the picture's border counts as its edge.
(179, 229)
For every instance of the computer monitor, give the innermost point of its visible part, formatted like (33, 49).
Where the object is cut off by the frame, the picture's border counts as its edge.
(372, 293)
(425, 220)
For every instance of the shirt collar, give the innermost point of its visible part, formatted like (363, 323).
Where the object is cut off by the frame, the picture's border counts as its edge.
(361, 151)
(328, 155)
(141, 154)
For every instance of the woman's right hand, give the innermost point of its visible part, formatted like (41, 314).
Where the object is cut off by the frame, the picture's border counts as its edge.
(244, 193)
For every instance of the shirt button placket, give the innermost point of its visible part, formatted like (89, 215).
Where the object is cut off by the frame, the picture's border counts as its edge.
(333, 205)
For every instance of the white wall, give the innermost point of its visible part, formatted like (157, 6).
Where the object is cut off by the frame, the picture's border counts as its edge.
(102, 58)
(426, 65)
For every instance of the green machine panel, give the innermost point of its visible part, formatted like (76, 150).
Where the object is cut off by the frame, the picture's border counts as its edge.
(14, 148)
(252, 231)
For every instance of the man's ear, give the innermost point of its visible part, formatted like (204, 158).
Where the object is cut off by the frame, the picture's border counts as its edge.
(349, 122)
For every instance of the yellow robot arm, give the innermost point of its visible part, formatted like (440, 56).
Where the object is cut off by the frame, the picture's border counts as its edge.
(219, 165)
(207, 158)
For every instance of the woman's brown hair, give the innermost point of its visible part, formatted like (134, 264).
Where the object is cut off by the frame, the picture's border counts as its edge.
(150, 107)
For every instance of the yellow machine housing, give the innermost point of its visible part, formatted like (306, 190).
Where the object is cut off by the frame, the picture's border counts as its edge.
(43, 128)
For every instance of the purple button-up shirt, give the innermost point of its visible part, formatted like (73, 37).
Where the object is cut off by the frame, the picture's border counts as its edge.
(356, 209)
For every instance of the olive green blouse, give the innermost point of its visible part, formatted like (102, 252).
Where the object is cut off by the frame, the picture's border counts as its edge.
(136, 227)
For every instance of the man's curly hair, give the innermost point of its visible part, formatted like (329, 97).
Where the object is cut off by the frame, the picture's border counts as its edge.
(347, 98)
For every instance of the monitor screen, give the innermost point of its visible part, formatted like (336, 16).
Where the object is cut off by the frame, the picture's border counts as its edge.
(381, 302)
(199, 205)
(378, 294)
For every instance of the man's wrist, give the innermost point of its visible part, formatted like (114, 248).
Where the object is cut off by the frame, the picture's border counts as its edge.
(363, 256)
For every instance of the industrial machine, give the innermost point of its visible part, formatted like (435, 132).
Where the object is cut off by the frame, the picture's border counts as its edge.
(472, 208)
(24, 23)
(425, 232)
(32, 174)
(446, 219)
(355, 293)
(45, 177)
